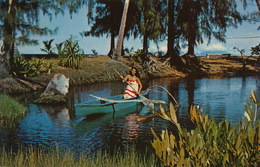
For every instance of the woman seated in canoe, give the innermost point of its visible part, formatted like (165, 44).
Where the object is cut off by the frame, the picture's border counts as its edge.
(134, 85)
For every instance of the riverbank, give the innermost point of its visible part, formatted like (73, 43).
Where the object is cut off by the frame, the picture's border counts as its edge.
(101, 69)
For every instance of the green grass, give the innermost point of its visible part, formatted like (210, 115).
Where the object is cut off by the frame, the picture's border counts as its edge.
(10, 110)
(37, 157)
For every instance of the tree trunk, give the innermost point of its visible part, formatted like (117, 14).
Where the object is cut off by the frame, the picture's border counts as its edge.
(145, 44)
(170, 42)
(120, 38)
(171, 34)
(6, 59)
(112, 44)
(191, 45)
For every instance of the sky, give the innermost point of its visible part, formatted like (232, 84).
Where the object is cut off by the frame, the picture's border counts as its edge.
(243, 37)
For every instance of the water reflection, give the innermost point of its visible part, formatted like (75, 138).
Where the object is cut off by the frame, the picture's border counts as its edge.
(52, 126)
(131, 127)
(58, 113)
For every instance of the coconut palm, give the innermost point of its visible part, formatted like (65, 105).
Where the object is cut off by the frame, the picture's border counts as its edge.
(48, 47)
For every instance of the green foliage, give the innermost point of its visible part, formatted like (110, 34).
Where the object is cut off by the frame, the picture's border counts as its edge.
(10, 110)
(255, 50)
(22, 66)
(211, 143)
(36, 66)
(25, 67)
(138, 56)
(48, 47)
(71, 54)
(59, 48)
(49, 66)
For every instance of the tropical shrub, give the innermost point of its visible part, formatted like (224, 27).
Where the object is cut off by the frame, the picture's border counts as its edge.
(71, 54)
(22, 66)
(49, 66)
(37, 65)
(211, 143)
(26, 67)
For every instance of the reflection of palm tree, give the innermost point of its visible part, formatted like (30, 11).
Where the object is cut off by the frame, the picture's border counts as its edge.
(48, 47)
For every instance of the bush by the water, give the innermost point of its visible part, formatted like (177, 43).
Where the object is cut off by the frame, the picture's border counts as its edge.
(211, 143)
(10, 110)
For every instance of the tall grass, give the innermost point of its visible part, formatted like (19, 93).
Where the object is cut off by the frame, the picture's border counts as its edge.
(10, 110)
(38, 157)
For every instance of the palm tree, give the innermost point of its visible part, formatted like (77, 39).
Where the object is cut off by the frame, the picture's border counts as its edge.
(48, 47)
(120, 38)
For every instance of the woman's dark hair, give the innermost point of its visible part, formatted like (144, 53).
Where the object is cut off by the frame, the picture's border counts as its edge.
(137, 72)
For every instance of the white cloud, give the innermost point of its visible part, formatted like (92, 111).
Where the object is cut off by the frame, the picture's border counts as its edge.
(163, 48)
(213, 47)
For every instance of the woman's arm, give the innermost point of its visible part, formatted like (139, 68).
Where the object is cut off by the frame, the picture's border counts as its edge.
(125, 79)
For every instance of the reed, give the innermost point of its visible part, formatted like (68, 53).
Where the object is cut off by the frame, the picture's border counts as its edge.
(10, 110)
(38, 157)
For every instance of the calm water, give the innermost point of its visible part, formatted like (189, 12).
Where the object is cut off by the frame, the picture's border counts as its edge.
(58, 126)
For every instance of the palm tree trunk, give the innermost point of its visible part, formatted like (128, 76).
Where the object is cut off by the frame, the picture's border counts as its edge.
(120, 38)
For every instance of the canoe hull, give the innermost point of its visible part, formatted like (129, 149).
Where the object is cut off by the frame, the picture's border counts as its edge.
(104, 107)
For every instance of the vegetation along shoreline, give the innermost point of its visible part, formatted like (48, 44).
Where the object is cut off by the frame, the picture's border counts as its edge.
(101, 69)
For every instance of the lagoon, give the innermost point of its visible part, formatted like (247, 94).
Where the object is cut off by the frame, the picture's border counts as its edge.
(48, 126)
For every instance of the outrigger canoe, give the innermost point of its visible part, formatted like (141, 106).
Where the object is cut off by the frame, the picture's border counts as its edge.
(113, 104)
(105, 106)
